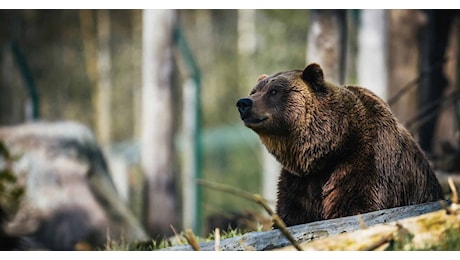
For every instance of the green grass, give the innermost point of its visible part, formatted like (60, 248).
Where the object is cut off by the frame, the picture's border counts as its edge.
(179, 239)
(449, 242)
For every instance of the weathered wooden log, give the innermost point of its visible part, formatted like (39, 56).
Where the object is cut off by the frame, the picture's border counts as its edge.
(415, 233)
(273, 239)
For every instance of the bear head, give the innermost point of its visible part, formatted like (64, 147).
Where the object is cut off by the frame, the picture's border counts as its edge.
(278, 103)
(292, 114)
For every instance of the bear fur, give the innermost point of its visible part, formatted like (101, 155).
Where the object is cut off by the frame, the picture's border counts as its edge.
(341, 149)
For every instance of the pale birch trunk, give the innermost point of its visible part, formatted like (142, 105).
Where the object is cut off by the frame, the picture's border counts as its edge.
(326, 43)
(372, 69)
(157, 137)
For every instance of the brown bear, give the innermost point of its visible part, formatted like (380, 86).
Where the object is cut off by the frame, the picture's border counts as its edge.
(342, 150)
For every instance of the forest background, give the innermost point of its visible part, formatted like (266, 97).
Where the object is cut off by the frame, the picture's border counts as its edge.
(89, 66)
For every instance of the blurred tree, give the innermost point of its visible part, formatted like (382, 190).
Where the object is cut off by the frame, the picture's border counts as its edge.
(136, 54)
(102, 97)
(326, 43)
(89, 44)
(403, 58)
(15, 97)
(157, 138)
(372, 51)
(432, 61)
(98, 66)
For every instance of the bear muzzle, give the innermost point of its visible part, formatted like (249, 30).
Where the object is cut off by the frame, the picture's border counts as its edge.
(247, 114)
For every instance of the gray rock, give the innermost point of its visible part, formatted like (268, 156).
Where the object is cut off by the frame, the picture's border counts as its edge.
(70, 201)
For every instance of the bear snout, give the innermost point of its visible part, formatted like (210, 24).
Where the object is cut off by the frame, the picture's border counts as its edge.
(244, 105)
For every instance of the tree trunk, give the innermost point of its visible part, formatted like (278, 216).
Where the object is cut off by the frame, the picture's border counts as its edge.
(326, 43)
(157, 141)
(432, 55)
(104, 85)
(404, 26)
(12, 95)
(137, 54)
(190, 203)
(372, 70)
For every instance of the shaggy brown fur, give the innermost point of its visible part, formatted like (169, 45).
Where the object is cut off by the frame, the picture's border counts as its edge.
(341, 148)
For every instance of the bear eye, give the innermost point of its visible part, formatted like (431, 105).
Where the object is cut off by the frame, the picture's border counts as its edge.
(273, 92)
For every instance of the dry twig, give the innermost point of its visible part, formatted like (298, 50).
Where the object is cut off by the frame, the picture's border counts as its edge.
(176, 235)
(217, 240)
(454, 207)
(361, 222)
(191, 240)
(259, 200)
(454, 190)
(385, 239)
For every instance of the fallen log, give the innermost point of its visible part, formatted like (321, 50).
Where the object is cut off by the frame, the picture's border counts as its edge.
(273, 239)
(415, 233)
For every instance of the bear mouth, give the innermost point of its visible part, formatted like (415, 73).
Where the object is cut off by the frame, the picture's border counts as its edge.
(251, 121)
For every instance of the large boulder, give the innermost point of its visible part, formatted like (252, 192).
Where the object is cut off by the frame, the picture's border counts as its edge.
(70, 201)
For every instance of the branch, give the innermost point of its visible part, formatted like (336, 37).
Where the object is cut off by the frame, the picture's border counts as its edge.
(259, 200)
(191, 240)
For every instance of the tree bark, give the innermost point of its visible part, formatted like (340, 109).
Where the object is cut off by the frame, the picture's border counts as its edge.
(190, 202)
(104, 85)
(372, 69)
(404, 25)
(326, 43)
(11, 100)
(432, 54)
(157, 141)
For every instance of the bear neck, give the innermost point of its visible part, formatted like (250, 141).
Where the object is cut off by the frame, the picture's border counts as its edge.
(317, 143)
(303, 152)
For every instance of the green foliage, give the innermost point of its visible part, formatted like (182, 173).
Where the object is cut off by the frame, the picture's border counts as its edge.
(449, 242)
(10, 191)
(236, 167)
(403, 241)
(179, 239)
(224, 234)
(149, 245)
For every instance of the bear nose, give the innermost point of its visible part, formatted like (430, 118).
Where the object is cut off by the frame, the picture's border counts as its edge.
(244, 105)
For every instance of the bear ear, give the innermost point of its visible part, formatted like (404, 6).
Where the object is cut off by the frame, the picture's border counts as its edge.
(261, 77)
(314, 77)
